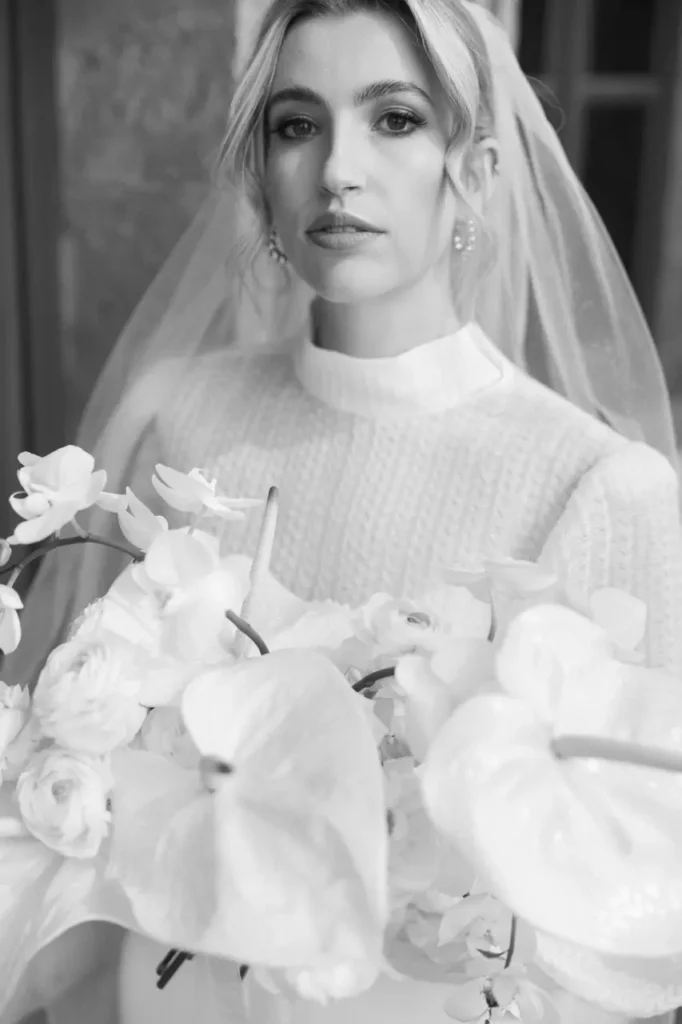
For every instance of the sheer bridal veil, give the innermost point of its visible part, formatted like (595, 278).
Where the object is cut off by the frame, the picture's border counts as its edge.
(556, 301)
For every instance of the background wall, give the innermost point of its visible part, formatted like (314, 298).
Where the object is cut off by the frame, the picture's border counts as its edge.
(144, 87)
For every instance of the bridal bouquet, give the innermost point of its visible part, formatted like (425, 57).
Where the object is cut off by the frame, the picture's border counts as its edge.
(480, 786)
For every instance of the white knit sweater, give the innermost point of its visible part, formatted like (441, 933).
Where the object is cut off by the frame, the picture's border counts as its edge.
(391, 470)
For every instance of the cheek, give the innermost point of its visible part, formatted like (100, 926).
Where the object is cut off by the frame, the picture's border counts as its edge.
(288, 180)
(424, 203)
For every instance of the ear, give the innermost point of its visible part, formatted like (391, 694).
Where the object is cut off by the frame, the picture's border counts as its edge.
(478, 172)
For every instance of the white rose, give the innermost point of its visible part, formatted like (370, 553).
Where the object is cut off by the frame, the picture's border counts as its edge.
(62, 798)
(87, 696)
(15, 705)
(164, 733)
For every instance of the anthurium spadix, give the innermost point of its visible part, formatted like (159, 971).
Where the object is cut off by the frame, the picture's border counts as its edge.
(275, 852)
(536, 785)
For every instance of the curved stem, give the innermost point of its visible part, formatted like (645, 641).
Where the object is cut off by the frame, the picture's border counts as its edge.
(262, 559)
(604, 749)
(372, 678)
(247, 630)
(17, 567)
(512, 942)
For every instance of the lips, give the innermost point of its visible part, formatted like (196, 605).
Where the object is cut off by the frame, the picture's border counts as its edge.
(340, 223)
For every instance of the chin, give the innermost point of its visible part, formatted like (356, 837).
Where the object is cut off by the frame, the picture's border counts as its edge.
(349, 285)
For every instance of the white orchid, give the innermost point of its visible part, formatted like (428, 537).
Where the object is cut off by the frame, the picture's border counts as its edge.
(194, 493)
(15, 707)
(54, 489)
(138, 523)
(197, 589)
(10, 626)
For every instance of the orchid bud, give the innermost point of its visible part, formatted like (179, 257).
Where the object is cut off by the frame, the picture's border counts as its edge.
(5, 552)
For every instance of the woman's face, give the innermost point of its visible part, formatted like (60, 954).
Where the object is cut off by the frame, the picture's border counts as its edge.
(357, 125)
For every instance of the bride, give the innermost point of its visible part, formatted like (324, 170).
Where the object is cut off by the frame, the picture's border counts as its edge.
(403, 261)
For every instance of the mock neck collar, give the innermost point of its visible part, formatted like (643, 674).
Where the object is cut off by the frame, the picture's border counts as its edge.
(428, 379)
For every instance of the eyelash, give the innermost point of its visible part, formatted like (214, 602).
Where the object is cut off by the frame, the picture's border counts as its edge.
(405, 115)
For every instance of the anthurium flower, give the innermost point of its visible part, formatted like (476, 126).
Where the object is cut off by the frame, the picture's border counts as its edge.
(193, 492)
(138, 524)
(275, 854)
(631, 986)
(54, 489)
(517, 585)
(593, 850)
(10, 626)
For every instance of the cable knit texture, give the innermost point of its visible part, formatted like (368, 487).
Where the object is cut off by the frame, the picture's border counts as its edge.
(391, 470)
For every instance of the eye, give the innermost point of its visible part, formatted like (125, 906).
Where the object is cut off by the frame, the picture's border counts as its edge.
(294, 128)
(401, 122)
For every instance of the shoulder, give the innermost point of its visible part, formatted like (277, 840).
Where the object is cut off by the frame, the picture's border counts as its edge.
(209, 382)
(634, 475)
(539, 427)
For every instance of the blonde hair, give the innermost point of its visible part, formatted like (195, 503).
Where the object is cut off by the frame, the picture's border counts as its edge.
(444, 31)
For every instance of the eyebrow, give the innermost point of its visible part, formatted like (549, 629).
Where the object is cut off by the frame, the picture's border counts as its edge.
(374, 91)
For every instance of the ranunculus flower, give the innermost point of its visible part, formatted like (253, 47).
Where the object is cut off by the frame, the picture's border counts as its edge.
(138, 523)
(164, 733)
(193, 492)
(10, 626)
(425, 623)
(62, 797)
(55, 489)
(586, 848)
(15, 707)
(87, 697)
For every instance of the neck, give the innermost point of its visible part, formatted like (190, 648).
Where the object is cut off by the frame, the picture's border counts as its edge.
(388, 326)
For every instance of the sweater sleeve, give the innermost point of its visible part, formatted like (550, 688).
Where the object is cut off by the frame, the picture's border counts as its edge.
(621, 528)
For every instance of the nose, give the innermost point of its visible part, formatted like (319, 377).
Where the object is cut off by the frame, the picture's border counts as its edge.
(342, 170)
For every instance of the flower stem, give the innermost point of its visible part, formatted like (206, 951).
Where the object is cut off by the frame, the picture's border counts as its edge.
(262, 558)
(16, 568)
(372, 678)
(247, 630)
(604, 749)
(512, 942)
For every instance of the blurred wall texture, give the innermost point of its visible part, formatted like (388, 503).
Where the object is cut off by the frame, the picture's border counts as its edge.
(143, 92)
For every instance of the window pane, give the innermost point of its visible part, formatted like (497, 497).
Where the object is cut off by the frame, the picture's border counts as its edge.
(614, 150)
(623, 36)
